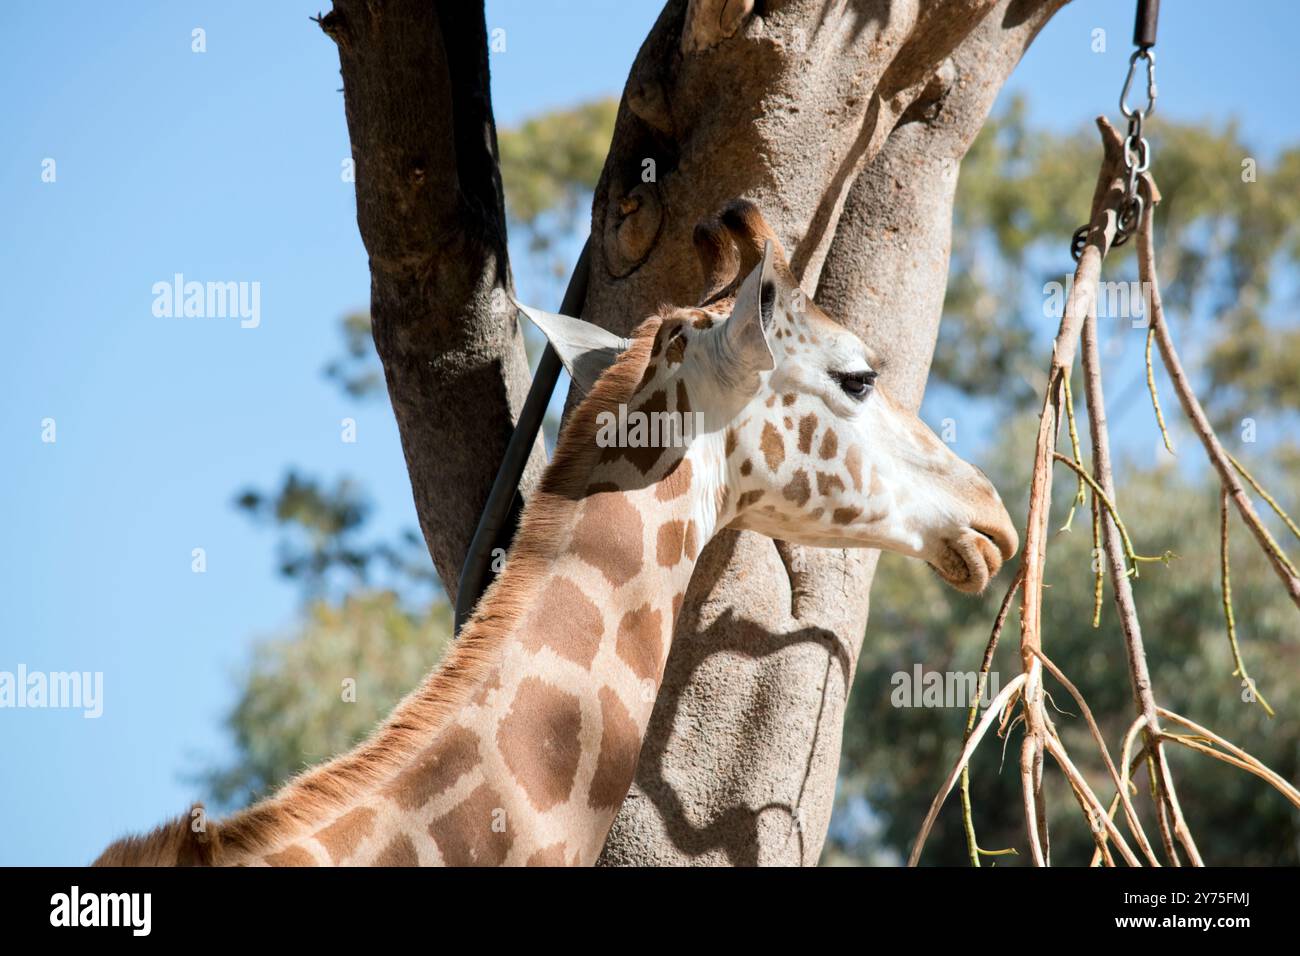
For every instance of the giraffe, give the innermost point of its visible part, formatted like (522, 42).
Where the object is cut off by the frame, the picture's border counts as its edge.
(520, 747)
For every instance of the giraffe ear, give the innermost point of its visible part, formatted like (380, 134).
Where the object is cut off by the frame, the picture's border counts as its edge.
(585, 349)
(745, 348)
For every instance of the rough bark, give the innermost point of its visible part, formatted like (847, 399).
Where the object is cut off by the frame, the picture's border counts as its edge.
(431, 214)
(851, 146)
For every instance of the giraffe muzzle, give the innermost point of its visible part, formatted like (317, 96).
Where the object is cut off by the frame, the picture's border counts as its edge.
(972, 558)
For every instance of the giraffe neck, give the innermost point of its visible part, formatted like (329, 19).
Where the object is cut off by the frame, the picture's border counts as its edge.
(522, 745)
(560, 723)
(533, 766)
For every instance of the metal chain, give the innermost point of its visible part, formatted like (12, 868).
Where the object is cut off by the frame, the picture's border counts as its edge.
(1137, 149)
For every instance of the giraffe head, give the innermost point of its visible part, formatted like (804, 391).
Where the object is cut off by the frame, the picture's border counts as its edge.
(801, 442)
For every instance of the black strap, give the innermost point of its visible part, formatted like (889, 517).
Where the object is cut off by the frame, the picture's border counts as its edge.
(500, 518)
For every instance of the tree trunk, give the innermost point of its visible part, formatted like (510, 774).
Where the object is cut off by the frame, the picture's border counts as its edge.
(740, 762)
(430, 209)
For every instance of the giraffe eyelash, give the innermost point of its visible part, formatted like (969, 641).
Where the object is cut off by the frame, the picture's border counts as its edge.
(858, 384)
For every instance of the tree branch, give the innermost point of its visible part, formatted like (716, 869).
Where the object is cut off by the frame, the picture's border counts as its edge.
(431, 215)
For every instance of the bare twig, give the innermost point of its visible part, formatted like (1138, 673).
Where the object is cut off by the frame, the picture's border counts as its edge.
(1098, 564)
(967, 811)
(1155, 396)
(995, 708)
(1254, 765)
(1169, 814)
(1098, 817)
(1272, 502)
(1127, 769)
(1193, 742)
(1130, 814)
(1225, 574)
(1079, 496)
(1219, 458)
(1129, 552)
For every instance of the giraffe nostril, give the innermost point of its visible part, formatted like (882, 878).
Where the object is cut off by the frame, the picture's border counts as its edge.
(1003, 537)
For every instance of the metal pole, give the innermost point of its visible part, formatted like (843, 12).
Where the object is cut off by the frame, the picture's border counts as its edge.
(500, 519)
(1144, 24)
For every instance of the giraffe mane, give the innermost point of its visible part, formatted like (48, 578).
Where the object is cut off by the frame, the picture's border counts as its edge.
(309, 798)
(174, 843)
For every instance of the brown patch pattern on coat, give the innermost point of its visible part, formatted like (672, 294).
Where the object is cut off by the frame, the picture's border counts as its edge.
(471, 833)
(853, 462)
(538, 739)
(292, 856)
(668, 549)
(342, 837)
(772, 445)
(620, 745)
(640, 641)
(552, 855)
(676, 483)
(566, 621)
(643, 457)
(490, 683)
(798, 490)
(807, 428)
(445, 761)
(828, 484)
(608, 537)
(676, 350)
(400, 852)
(845, 515)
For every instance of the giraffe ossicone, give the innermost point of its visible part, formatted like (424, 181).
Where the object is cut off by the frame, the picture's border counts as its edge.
(520, 747)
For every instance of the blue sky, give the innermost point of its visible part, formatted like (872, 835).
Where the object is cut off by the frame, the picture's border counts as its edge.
(225, 165)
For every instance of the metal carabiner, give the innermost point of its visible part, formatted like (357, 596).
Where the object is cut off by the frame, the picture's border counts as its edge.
(1150, 57)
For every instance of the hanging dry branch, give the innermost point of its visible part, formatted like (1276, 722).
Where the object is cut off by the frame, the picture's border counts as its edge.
(1169, 814)
(1105, 212)
(1219, 458)
(1078, 333)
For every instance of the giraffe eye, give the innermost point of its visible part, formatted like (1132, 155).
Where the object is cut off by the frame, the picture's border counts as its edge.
(857, 384)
